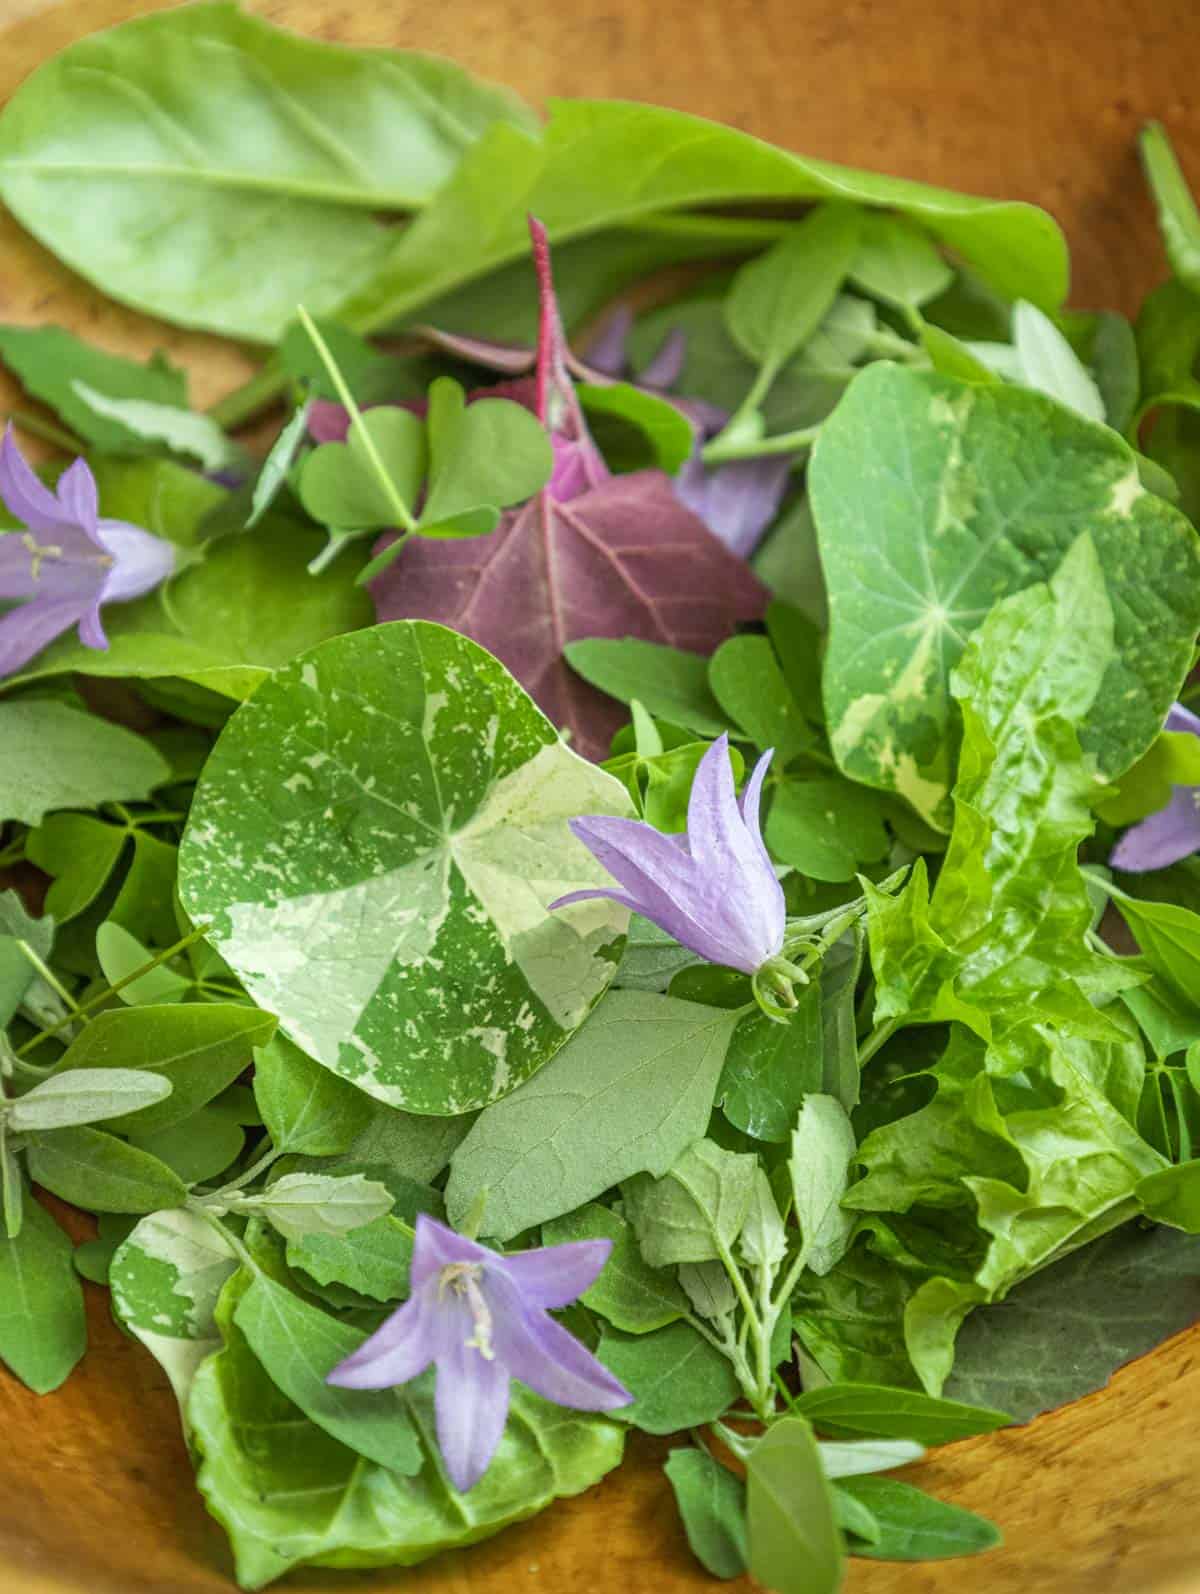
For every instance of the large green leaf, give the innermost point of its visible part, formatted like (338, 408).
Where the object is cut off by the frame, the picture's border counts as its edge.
(288, 1493)
(933, 499)
(375, 841)
(1064, 1332)
(207, 167)
(795, 1544)
(602, 163)
(630, 1092)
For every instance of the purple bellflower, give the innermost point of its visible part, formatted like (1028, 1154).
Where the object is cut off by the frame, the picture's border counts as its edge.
(714, 889)
(68, 562)
(482, 1318)
(1172, 833)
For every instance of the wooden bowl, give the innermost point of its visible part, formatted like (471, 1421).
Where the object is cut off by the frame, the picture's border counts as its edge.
(96, 1493)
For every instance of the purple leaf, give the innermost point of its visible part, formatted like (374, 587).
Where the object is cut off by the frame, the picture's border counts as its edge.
(590, 556)
(625, 559)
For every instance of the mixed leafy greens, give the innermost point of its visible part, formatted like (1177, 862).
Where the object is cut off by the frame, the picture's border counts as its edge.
(388, 962)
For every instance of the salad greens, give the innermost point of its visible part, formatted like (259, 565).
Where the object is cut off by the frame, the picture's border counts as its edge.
(634, 873)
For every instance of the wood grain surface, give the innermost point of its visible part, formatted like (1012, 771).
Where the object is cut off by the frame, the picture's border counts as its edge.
(1030, 101)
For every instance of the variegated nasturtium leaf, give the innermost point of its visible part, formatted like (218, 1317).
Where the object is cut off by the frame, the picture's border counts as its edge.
(166, 1278)
(933, 499)
(375, 842)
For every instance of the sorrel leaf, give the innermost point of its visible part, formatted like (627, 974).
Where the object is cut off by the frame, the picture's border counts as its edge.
(376, 838)
(56, 757)
(623, 560)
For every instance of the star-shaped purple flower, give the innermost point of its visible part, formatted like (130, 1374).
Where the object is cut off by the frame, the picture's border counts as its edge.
(714, 889)
(68, 562)
(1172, 833)
(482, 1318)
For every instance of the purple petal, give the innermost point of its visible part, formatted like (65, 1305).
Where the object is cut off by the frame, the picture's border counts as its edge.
(606, 352)
(1164, 838)
(398, 1351)
(91, 629)
(556, 1275)
(471, 1407)
(622, 897)
(1182, 719)
(26, 630)
(79, 499)
(750, 800)
(16, 567)
(437, 1246)
(141, 561)
(666, 886)
(24, 495)
(553, 1363)
(666, 367)
(737, 502)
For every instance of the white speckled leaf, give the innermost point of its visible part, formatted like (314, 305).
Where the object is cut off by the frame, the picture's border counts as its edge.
(376, 839)
(166, 1278)
(933, 499)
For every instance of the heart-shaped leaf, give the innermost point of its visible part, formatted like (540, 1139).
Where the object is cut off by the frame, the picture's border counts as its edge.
(357, 483)
(376, 839)
(490, 453)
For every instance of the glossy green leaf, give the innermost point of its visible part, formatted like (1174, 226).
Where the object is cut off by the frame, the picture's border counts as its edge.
(1178, 216)
(1169, 936)
(771, 1067)
(451, 792)
(795, 1543)
(299, 1344)
(55, 757)
(666, 429)
(629, 1293)
(601, 163)
(896, 262)
(1050, 365)
(288, 1493)
(79, 853)
(749, 684)
(967, 494)
(628, 1093)
(122, 954)
(261, 190)
(199, 1049)
(912, 1526)
(848, 1410)
(42, 1328)
(826, 828)
(712, 1504)
(166, 1278)
(778, 301)
(670, 683)
(677, 1379)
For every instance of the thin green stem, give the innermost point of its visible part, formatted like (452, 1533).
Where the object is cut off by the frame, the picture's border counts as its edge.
(879, 1036)
(51, 979)
(98, 1001)
(249, 1175)
(232, 1240)
(399, 508)
(719, 452)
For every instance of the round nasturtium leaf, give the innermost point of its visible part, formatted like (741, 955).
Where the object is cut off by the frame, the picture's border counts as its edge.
(375, 842)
